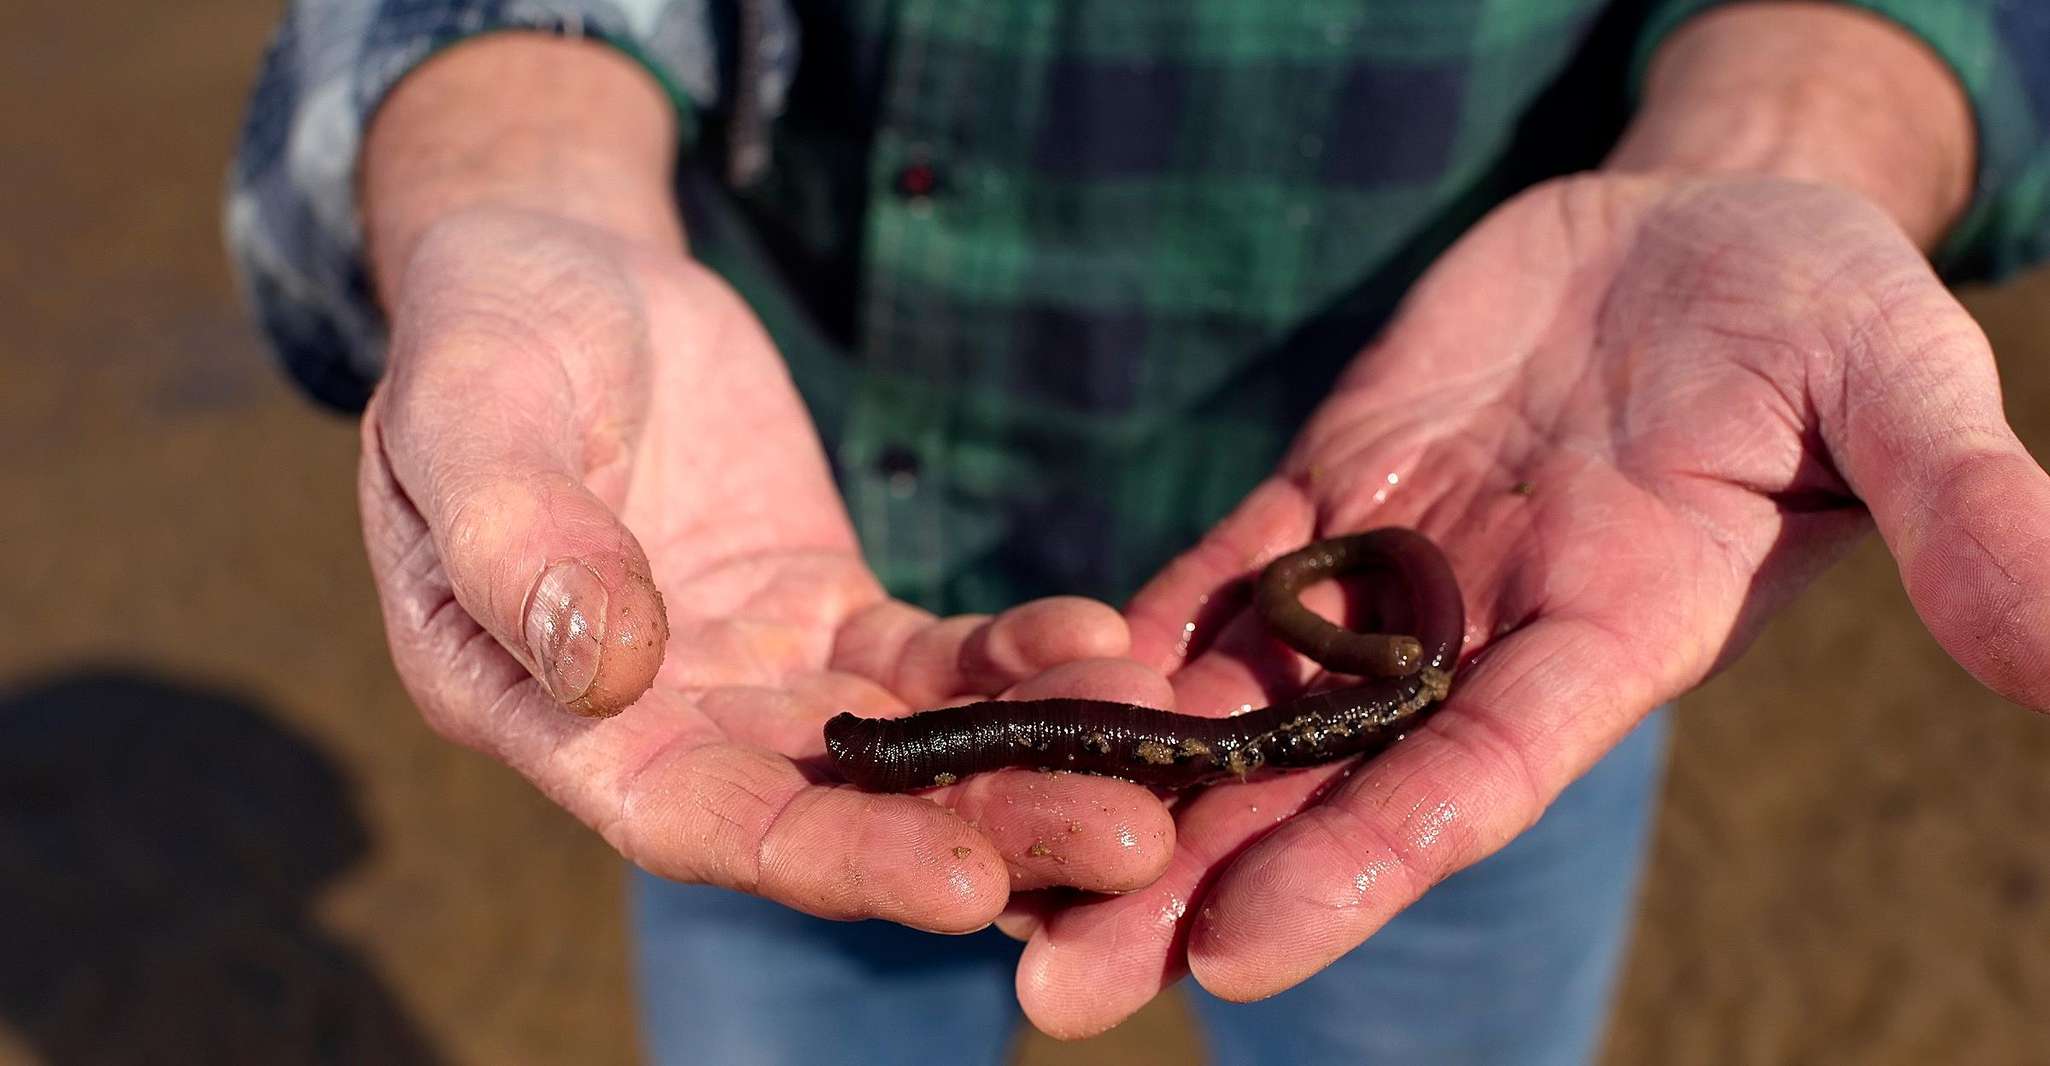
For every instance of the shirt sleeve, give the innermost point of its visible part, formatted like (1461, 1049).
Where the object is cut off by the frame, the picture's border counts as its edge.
(292, 225)
(2000, 52)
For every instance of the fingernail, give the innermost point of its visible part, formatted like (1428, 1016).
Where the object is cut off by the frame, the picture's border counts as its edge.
(566, 628)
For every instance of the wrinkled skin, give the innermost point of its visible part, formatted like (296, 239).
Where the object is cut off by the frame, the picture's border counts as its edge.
(1708, 390)
(557, 394)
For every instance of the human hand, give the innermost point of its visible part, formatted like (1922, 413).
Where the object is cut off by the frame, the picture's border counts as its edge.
(587, 484)
(1639, 413)
(561, 399)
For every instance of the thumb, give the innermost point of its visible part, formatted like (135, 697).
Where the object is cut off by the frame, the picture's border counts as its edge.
(1919, 434)
(528, 550)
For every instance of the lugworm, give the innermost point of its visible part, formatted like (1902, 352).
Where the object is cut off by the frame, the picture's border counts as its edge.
(1407, 674)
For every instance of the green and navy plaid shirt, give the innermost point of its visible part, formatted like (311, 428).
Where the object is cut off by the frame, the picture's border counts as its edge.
(1060, 278)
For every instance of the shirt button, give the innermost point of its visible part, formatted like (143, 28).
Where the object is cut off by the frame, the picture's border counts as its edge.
(899, 467)
(918, 181)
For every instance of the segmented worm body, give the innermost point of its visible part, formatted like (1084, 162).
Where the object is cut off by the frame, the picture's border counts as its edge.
(1406, 674)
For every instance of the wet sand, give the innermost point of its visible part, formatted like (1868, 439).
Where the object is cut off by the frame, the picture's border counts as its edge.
(225, 837)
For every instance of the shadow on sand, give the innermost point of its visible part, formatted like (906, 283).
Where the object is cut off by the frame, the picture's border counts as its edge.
(160, 849)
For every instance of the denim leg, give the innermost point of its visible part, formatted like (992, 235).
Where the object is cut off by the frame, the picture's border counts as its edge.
(1512, 961)
(731, 979)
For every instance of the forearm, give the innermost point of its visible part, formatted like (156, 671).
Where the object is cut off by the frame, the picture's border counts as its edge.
(522, 121)
(1813, 92)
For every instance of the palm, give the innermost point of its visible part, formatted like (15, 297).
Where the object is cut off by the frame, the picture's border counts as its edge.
(637, 421)
(1624, 437)
(1635, 415)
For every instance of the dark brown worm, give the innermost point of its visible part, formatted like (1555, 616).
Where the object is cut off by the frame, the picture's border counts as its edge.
(1408, 674)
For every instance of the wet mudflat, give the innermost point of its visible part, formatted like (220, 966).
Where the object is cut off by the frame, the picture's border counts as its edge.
(224, 837)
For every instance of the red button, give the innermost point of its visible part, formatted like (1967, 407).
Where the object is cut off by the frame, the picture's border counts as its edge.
(917, 181)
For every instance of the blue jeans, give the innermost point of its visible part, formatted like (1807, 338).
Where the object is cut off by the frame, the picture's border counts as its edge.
(1511, 961)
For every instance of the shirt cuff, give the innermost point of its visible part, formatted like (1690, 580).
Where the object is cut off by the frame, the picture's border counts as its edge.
(293, 226)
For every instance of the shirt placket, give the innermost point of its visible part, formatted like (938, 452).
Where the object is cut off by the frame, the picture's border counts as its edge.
(899, 435)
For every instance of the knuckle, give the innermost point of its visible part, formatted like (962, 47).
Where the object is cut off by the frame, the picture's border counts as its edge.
(443, 715)
(444, 722)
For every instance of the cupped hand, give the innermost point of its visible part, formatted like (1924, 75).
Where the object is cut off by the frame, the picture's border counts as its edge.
(1639, 414)
(588, 486)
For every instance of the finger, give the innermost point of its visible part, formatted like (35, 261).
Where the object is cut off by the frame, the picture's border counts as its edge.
(1093, 833)
(1037, 636)
(432, 641)
(539, 561)
(1089, 966)
(1172, 616)
(1244, 668)
(1922, 438)
(1026, 912)
(927, 660)
(749, 820)
(1532, 714)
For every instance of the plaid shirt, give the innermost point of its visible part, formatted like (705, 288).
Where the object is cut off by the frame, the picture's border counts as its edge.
(1059, 280)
